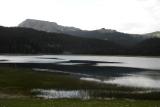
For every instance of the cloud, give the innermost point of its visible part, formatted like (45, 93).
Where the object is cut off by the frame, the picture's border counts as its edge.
(133, 27)
(131, 16)
(148, 18)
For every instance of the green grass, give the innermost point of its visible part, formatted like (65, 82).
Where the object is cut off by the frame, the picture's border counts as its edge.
(77, 103)
(23, 80)
(18, 82)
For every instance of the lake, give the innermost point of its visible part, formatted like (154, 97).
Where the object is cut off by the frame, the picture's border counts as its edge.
(129, 71)
(142, 71)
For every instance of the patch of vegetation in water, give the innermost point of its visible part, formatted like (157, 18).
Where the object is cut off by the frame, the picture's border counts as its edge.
(20, 82)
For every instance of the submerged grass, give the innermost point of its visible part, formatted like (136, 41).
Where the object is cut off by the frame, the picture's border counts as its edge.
(18, 82)
(22, 80)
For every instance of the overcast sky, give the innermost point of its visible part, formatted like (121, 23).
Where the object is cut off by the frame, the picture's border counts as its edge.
(130, 16)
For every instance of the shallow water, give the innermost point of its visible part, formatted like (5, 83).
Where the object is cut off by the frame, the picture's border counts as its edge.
(136, 81)
(89, 94)
(146, 74)
(125, 61)
(55, 94)
(129, 81)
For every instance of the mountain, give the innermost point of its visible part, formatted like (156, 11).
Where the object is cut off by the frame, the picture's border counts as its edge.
(46, 26)
(26, 40)
(16, 40)
(148, 47)
(102, 34)
(154, 34)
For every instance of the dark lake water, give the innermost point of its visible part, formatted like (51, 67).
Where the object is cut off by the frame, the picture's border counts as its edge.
(146, 72)
(125, 61)
(142, 72)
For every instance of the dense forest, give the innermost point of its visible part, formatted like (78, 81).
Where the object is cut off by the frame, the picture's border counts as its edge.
(16, 40)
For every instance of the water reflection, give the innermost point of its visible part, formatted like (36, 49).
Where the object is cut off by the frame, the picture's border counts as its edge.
(95, 94)
(55, 94)
(130, 81)
(121, 70)
(125, 61)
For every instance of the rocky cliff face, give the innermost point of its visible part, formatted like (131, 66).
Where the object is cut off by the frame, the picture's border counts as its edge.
(46, 26)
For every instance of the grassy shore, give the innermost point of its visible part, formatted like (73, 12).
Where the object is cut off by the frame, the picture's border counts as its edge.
(21, 81)
(16, 85)
(77, 103)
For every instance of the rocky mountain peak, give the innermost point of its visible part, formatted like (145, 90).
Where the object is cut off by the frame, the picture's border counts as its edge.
(104, 30)
(46, 26)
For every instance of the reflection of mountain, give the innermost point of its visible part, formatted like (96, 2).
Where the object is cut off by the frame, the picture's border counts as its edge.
(103, 34)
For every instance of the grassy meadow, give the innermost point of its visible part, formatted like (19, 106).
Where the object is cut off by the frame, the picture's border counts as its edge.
(77, 103)
(16, 85)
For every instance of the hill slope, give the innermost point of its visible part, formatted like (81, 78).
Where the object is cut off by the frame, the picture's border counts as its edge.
(24, 40)
(102, 34)
(29, 41)
(148, 47)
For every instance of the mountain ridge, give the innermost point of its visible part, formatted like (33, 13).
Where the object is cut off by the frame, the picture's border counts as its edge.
(16, 40)
(27, 40)
(56, 28)
(102, 34)
(154, 34)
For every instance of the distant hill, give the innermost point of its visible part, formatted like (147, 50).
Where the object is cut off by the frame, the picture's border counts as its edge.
(25, 40)
(148, 47)
(46, 26)
(102, 34)
(154, 34)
